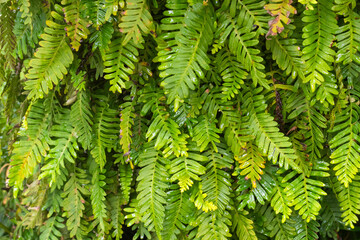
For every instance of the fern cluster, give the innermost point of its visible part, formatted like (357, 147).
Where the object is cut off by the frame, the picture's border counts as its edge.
(179, 119)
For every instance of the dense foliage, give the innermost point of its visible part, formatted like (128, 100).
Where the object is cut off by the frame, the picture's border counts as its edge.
(179, 119)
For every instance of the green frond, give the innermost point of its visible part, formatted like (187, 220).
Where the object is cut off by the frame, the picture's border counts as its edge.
(242, 42)
(50, 231)
(251, 15)
(190, 61)
(73, 204)
(306, 230)
(126, 178)
(319, 30)
(136, 21)
(26, 37)
(275, 228)
(117, 216)
(178, 213)
(119, 62)
(166, 131)
(348, 200)
(101, 39)
(304, 192)
(348, 37)
(51, 60)
(105, 129)
(7, 39)
(330, 216)
(31, 147)
(126, 123)
(81, 118)
(63, 147)
(185, 169)
(268, 138)
(327, 91)
(152, 183)
(231, 71)
(279, 201)
(216, 182)
(344, 146)
(287, 55)
(206, 132)
(95, 11)
(310, 125)
(77, 27)
(26, 12)
(251, 163)
(98, 195)
(243, 226)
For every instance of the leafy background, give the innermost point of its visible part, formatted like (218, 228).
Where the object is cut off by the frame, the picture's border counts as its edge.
(179, 119)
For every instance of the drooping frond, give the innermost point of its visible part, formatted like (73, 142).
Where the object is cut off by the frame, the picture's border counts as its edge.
(136, 21)
(73, 204)
(242, 44)
(77, 27)
(117, 216)
(126, 178)
(269, 139)
(50, 231)
(105, 128)
(243, 226)
(81, 118)
(101, 39)
(51, 61)
(151, 188)
(304, 192)
(318, 37)
(7, 39)
(190, 61)
(33, 144)
(206, 132)
(119, 62)
(63, 147)
(126, 123)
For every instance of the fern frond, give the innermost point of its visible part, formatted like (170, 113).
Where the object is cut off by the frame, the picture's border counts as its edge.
(101, 39)
(269, 139)
(126, 123)
(317, 54)
(306, 230)
(51, 61)
(206, 132)
(77, 27)
(279, 201)
(190, 61)
(242, 44)
(106, 129)
(95, 10)
(330, 216)
(287, 56)
(166, 131)
(275, 227)
(243, 226)
(7, 40)
(304, 192)
(232, 73)
(81, 118)
(73, 204)
(50, 231)
(136, 21)
(126, 177)
(345, 154)
(98, 195)
(26, 12)
(251, 162)
(186, 169)
(63, 147)
(348, 200)
(152, 183)
(178, 213)
(213, 225)
(251, 15)
(343, 6)
(119, 63)
(33, 144)
(117, 216)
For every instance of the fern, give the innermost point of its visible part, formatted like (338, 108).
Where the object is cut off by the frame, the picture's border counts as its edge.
(243, 226)
(7, 40)
(317, 53)
(32, 146)
(151, 188)
(101, 39)
(136, 21)
(51, 61)
(50, 229)
(117, 217)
